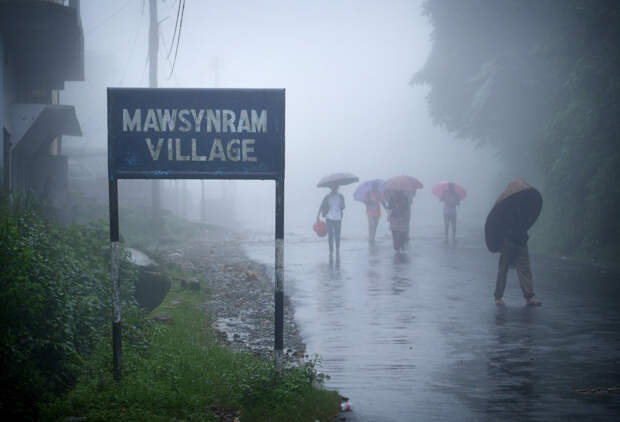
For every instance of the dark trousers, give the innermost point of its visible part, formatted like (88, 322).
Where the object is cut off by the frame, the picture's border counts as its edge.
(333, 233)
(373, 221)
(514, 256)
(399, 238)
(447, 220)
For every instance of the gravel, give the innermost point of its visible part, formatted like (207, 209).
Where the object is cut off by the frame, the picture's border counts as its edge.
(240, 296)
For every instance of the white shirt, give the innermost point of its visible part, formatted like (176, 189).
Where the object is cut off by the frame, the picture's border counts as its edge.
(334, 207)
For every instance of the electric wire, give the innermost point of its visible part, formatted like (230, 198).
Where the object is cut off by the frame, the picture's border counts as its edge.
(176, 24)
(176, 51)
(131, 50)
(102, 23)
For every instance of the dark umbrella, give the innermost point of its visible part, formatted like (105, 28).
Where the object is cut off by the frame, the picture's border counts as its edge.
(337, 179)
(518, 206)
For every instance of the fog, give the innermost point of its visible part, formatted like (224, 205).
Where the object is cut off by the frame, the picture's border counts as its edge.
(346, 67)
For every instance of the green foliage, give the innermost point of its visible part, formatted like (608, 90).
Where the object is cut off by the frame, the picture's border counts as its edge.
(181, 373)
(54, 303)
(540, 81)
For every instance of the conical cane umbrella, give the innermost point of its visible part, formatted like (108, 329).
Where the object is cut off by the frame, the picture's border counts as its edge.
(518, 206)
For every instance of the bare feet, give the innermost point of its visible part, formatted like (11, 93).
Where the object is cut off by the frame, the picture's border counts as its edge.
(533, 302)
(499, 302)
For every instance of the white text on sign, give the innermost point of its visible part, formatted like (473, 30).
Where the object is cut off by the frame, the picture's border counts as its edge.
(211, 121)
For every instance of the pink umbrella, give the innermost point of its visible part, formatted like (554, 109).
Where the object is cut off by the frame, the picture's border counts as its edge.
(403, 183)
(440, 188)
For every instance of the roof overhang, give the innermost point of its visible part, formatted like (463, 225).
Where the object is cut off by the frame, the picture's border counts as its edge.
(35, 126)
(45, 40)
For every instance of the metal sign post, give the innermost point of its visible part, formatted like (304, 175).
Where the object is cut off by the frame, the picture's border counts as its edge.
(162, 133)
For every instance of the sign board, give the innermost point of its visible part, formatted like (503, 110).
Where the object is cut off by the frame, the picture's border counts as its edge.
(160, 133)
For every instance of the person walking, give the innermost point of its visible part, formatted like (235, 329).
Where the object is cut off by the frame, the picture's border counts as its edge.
(373, 199)
(398, 206)
(332, 208)
(451, 200)
(515, 254)
(506, 228)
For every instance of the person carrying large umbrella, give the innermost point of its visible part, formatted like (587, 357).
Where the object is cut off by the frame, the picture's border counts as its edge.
(505, 231)
(399, 192)
(371, 194)
(332, 207)
(451, 195)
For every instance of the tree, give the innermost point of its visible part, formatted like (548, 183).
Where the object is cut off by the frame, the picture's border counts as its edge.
(540, 81)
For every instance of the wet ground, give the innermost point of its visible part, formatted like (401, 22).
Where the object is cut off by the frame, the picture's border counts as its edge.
(416, 336)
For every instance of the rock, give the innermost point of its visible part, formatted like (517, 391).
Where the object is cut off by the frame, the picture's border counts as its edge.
(190, 284)
(151, 288)
(250, 276)
(163, 318)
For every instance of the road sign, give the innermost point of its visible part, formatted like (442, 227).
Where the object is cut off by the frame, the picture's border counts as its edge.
(156, 133)
(161, 133)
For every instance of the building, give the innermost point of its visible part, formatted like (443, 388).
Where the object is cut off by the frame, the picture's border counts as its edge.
(41, 47)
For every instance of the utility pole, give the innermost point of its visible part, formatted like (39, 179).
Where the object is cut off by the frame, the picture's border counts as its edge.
(153, 51)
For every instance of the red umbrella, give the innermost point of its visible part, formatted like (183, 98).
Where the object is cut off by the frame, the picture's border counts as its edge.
(440, 188)
(403, 183)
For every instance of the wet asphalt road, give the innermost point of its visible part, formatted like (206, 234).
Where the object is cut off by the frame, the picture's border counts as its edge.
(416, 336)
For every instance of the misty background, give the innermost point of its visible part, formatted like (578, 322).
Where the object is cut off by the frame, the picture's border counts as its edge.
(346, 67)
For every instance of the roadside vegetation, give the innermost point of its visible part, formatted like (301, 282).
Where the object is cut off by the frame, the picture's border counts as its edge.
(55, 310)
(54, 303)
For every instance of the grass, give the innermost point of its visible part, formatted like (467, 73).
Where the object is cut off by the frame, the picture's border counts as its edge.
(178, 371)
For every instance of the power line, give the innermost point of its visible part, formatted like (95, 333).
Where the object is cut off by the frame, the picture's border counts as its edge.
(146, 62)
(176, 51)
(132, 49)
(176, 24)
(163, 41)
(106, 20)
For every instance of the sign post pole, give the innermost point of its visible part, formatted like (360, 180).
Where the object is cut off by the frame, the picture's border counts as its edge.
(279, 276)
(115, 278)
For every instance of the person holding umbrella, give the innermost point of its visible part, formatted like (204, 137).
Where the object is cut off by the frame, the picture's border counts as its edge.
(332, 208)
(505, 229)
(396, 189)
(399, 209)
(451, 195)
(370, 193)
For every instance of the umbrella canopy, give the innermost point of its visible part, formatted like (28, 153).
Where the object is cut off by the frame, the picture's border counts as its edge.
(337, 179)
(365, 187)
(403, 183)
(518, 206)
(440, 188)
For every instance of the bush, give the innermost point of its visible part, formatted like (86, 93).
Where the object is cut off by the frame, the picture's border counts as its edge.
(55, 301)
